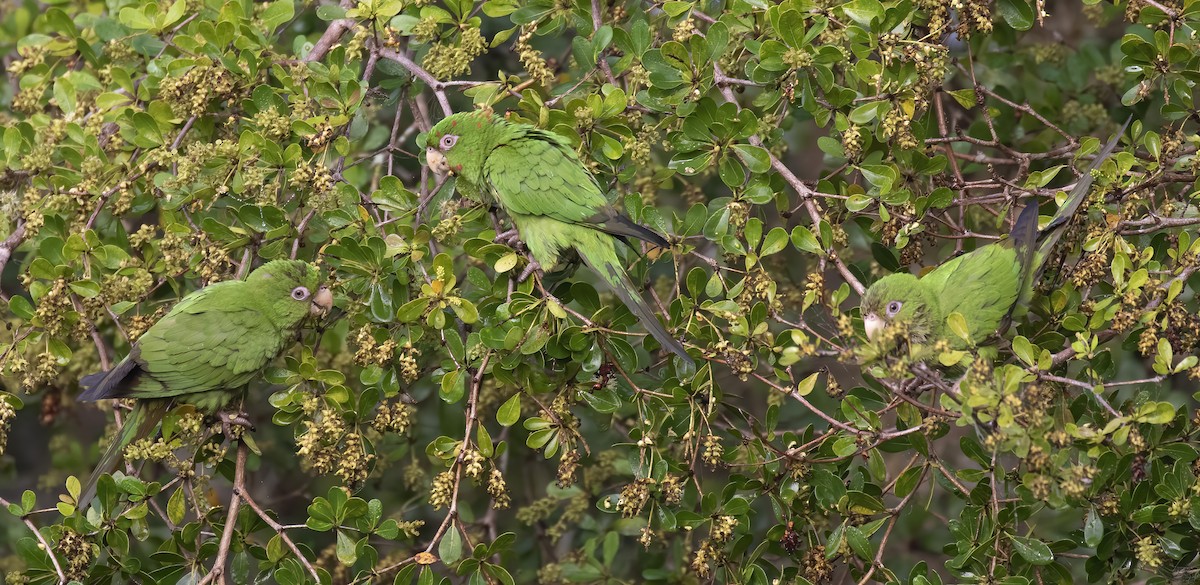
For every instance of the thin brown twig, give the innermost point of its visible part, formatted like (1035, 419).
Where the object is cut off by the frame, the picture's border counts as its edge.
(101, 347)
(241, 492)
(62, 577)
(795, 395)
(439, 88)
(331, 36)
(601, 61)
(1080, 384)
(452, 511)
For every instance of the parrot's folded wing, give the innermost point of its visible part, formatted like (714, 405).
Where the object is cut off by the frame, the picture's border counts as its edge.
(218, 342)
(541, 177)
(536, 177)
(982, 286)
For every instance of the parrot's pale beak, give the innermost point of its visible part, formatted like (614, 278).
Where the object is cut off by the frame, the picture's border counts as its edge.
(873, 325)
(322, 302)
(437, 161)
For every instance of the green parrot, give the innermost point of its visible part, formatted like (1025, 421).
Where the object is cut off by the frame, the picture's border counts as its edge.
(985, 286)
(555, 203)
(210, 345)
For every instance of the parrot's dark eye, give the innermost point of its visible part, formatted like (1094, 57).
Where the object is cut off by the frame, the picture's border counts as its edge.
(300, 293)
(448, 141)
(893, 308)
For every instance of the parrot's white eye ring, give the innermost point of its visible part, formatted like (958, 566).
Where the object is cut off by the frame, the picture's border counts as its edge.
(300, 293)
(448, 141)
(893, 308)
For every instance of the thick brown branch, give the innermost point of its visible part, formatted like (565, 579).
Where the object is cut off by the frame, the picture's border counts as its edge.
(239, 478)
(439, 88)
(10, 243)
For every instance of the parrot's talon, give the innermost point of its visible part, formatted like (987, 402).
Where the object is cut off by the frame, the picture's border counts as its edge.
(509, 238)
(232, 419)
(530, 268)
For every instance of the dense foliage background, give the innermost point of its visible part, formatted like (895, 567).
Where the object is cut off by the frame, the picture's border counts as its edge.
(451, 423)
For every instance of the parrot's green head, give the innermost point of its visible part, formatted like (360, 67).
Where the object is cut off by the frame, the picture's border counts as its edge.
(900, 299)
(293, 288)
(460, 143)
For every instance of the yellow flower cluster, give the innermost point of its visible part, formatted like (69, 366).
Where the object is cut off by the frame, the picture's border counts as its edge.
(190, 93)
(327, 445)
(272, 124)
(713, 451)
(370, 352)
(672, 490)
(704, 558)
(567, 466)
(394, 416)
(7, 413)
(446, 61)
(76, 551)
(498, 489)
(634, 497)
(442, 490)
(535, 65)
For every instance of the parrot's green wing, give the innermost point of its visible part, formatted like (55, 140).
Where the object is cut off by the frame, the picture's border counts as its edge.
(536, 173)
(982, 286)
(216, 339)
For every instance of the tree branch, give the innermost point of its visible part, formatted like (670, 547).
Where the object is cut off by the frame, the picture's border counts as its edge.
(439, 88)
(239, 479)
(62, 577)
(239, 490)
(10, 243)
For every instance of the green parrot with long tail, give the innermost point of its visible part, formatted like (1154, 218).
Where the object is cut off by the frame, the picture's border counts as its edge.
(986, 286)
(205, 350)
(556, 205)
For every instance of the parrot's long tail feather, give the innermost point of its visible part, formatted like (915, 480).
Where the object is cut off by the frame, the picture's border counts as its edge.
(143, 417)
(603, 259)
(1051, 233)
(1024, 237)
(619, 225)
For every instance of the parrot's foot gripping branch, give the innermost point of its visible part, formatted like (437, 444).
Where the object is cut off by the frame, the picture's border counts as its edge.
(509, 238)
(232, 419)
(530, 268)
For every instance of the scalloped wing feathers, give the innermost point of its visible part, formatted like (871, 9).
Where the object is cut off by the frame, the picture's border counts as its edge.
(535, 177)
(219, 339)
